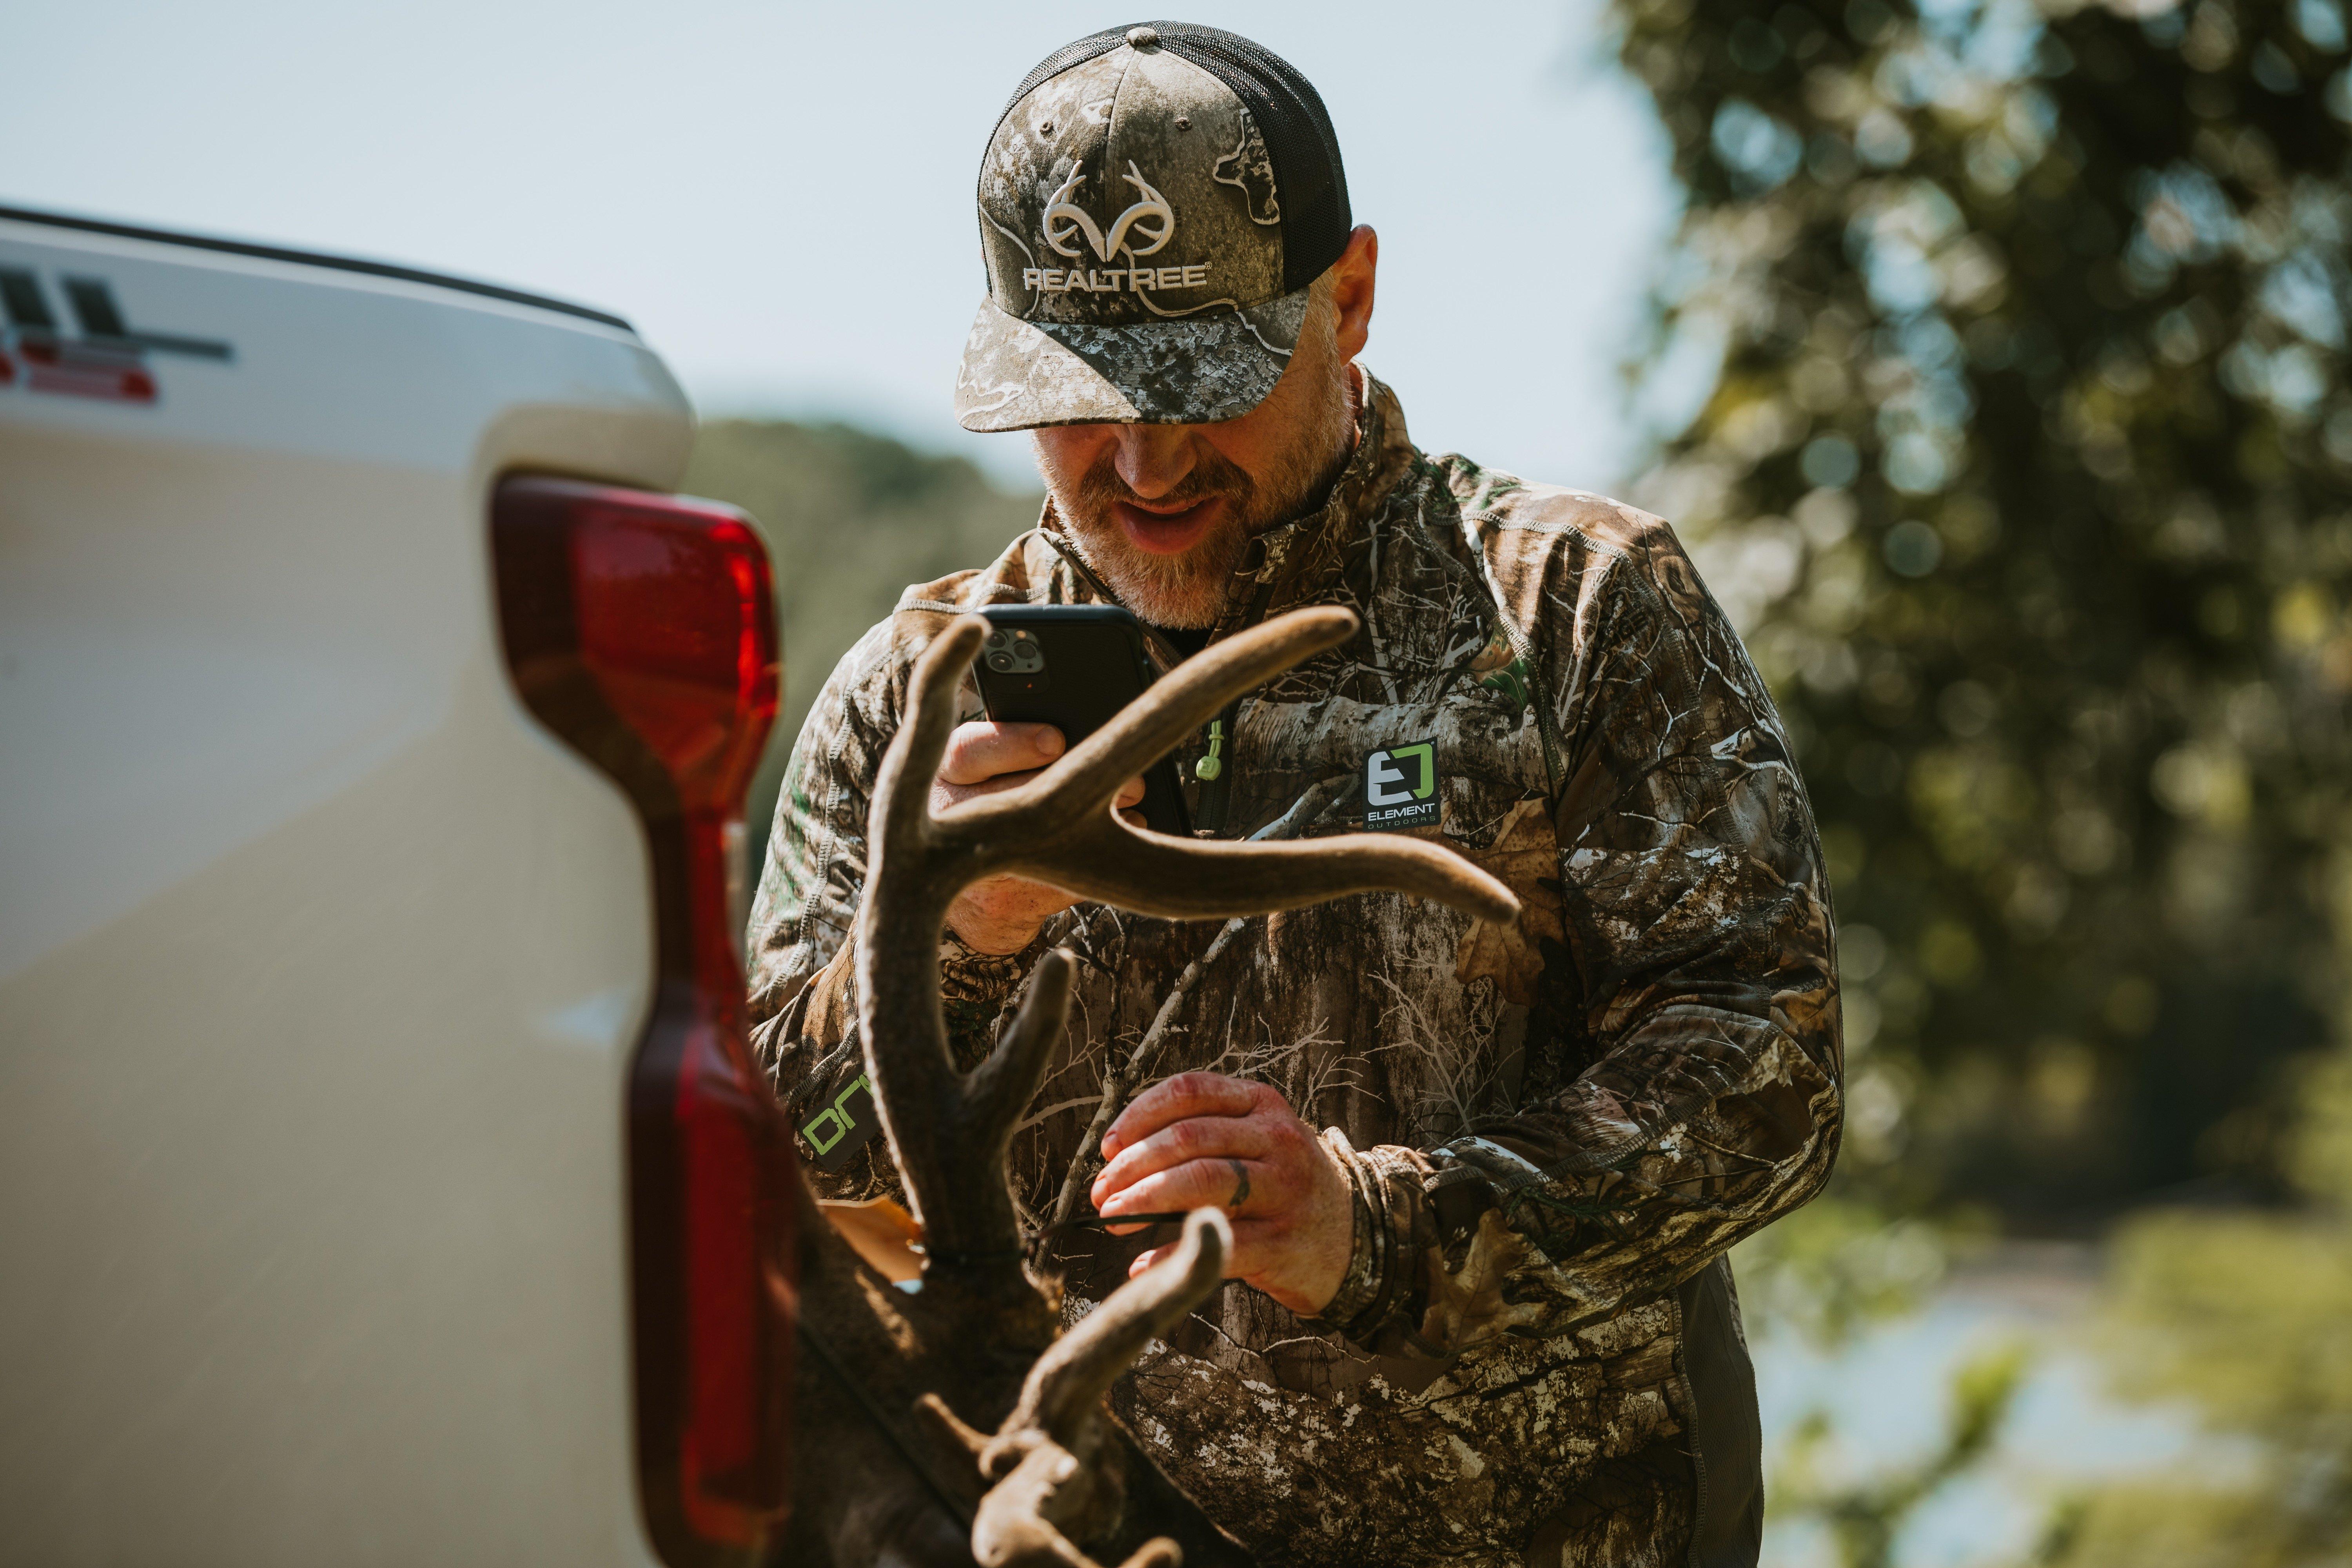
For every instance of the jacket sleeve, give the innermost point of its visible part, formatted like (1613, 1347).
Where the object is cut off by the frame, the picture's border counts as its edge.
(801, 947)
(1697, 926)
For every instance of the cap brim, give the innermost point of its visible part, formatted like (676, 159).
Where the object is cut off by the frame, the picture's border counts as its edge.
(1192, 370)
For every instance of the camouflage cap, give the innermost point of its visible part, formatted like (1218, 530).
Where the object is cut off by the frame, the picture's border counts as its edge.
(1154, 204)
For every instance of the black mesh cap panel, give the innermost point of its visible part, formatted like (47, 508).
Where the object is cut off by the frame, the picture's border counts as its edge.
(1308, 177)
(1290, 115)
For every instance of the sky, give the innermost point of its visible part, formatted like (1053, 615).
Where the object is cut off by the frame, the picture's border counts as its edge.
(779, 195)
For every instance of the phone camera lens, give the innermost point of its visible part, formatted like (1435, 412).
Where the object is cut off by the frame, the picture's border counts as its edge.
(1000, 661)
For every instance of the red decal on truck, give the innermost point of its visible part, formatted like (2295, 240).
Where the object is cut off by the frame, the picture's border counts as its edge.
(76, 369)
(108, 361)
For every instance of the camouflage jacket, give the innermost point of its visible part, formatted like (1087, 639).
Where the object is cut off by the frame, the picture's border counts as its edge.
(1554, 1131)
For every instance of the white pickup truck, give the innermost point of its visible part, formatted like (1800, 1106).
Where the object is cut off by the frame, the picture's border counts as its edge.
(380, 1177)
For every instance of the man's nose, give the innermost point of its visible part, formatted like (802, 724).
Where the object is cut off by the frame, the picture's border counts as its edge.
(1154, 458)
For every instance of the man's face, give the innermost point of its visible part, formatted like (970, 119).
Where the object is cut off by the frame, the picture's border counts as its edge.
(1163, 512)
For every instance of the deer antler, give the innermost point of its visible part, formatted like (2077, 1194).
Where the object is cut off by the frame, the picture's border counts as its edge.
(949, 1134)
(1043, 1456)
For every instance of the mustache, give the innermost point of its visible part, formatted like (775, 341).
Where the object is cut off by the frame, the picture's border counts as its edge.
(1212, 474)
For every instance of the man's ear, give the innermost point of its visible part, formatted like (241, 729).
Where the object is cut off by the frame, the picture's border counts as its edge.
(1352, 289)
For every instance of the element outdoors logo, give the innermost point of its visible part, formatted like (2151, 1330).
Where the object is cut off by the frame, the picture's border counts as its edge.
(840, 1129)
(1065, 220)
(1401, 787)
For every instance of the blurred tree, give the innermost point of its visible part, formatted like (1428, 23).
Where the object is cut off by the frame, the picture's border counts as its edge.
(850, 520)
(2245, 1315)
(2025, 473)
(1864, 1517)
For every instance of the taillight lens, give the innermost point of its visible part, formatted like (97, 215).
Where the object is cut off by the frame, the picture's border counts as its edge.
(641, 629)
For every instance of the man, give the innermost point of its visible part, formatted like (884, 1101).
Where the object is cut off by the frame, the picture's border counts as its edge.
(1484, 1318)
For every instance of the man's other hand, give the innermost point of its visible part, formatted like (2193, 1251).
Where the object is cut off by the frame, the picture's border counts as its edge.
(1200, 1140)
(1004, 914)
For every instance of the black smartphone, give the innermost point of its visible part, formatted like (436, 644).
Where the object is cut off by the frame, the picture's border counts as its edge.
(1072, 666)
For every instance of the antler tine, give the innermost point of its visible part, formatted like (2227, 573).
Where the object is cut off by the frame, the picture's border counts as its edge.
(902, 785)
(1000, 1087)
(1040, 1454)
(1107, 860)
(1064, 1389)
(948, 1133)
(1082, 783)
(1059, 829)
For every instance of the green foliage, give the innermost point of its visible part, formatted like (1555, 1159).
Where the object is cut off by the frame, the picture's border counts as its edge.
(1838, 1264)
(2320, 1152)
(2246, 1316)
(2246, 1313)
(850, 519)
(2025, 474)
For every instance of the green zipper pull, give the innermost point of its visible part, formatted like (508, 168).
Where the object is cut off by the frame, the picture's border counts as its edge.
(1209, 767)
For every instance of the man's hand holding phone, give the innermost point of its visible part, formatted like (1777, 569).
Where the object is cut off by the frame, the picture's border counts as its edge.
(1004, 914)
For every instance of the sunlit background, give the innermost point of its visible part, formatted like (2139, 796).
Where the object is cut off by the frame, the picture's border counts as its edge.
(1989, 354)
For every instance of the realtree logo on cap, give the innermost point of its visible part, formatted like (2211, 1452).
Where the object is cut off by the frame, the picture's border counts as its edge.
(1065, 220)
(1073, 219)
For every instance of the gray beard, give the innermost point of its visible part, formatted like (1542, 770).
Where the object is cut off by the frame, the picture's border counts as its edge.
(1191, 591)
(1187, 592)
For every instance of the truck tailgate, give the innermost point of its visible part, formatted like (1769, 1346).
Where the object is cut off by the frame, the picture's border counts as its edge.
(320, 961)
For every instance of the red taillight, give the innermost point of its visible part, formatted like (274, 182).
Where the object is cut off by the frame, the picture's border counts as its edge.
(641, 629)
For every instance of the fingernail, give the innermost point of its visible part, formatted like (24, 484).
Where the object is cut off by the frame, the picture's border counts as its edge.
(1049, 741)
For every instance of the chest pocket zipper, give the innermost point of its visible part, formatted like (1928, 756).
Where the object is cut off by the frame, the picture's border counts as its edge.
(1212, 768)
(1215, 775)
